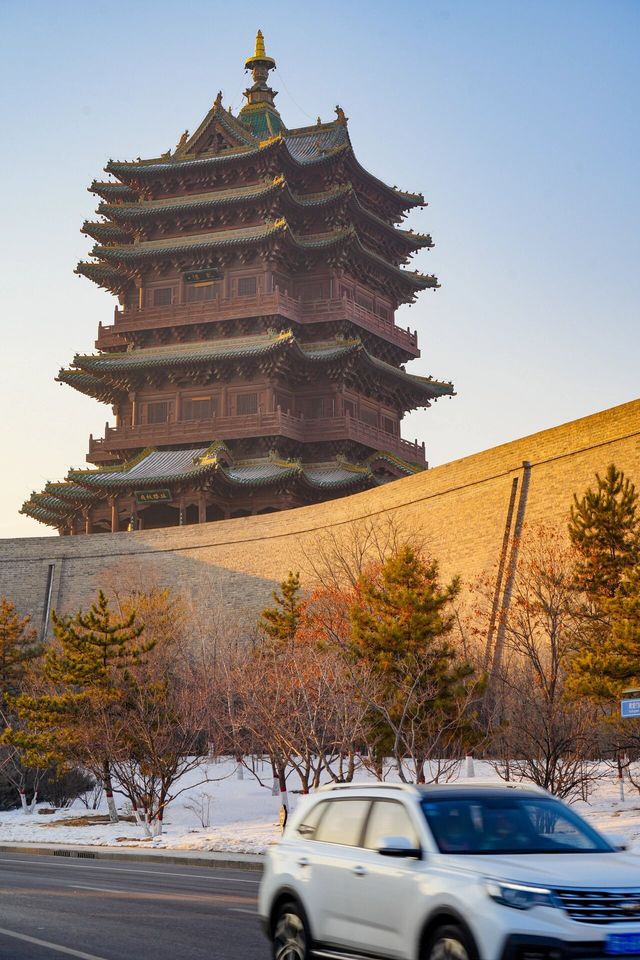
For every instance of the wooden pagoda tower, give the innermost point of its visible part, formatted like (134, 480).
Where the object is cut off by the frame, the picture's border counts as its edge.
(253, 363)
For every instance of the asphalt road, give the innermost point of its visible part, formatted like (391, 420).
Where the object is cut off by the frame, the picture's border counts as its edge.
(53, 908)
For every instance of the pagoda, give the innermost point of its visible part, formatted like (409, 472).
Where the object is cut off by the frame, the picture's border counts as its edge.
(253, 363)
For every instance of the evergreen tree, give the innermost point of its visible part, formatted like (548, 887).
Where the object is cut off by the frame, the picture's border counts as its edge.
(401, 623)
(279, 624)
(604, 529)
(80, 689)
(18, 648)
(603, 668)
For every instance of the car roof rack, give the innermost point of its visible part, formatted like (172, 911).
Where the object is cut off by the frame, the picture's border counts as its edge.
(463, 782)
(369, 785)
(486, 783)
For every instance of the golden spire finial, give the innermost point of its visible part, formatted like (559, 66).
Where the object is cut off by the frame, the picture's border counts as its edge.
(260, 59)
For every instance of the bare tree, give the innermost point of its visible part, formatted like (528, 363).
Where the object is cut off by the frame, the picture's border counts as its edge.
(540, 735)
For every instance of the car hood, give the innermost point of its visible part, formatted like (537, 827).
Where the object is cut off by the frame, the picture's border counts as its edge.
(581, 870)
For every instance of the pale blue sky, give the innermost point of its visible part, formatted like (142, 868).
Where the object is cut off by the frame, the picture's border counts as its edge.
(518, 120)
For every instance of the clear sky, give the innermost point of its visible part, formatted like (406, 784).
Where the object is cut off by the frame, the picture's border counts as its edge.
(518, 120)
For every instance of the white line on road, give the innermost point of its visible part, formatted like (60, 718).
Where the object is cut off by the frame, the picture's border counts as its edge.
(154, 873)
(51, 946)
(84, 886)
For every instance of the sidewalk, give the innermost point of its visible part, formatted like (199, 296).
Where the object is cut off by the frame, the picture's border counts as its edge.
(201, 858)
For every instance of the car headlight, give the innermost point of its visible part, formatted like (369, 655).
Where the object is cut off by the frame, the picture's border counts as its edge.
(520, 896)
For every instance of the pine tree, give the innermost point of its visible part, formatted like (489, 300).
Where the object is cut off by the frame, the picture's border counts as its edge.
(602, 668)
(18, 648)
(279, 624)
(604, 528)
(401, 623)
(80, 689)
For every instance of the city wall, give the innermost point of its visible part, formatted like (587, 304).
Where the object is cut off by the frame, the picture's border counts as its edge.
(466, 511)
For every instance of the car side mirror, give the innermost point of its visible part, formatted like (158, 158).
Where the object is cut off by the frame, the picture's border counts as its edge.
(617, 840)
(398, 847)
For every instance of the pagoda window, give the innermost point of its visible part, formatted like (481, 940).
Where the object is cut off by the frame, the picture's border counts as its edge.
(314, 408)
(158, 411)
(161, 296)
(389, 425)
(198, 408)
(197, 292)
(369, 416)
(246, 403)
(365, 301)
(346, 292)
(383, 312)
(247, 286)
(283, 400)
(349, 408)
(312, 291)
(281, 282)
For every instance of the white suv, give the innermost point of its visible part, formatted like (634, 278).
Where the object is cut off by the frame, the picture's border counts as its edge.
(452, 872)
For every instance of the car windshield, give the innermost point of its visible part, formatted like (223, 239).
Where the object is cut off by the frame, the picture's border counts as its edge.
(479, 824)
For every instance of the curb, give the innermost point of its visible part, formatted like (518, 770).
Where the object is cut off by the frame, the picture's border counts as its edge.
(200, 858)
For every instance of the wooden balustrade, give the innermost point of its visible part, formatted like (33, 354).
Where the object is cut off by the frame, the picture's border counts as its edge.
(257, 425)
(264, 304)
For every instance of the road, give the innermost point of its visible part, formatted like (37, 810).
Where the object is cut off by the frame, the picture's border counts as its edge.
(53, 908)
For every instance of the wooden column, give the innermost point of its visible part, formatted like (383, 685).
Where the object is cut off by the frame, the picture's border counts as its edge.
(202, 509)
(114, 515)
(88, 528)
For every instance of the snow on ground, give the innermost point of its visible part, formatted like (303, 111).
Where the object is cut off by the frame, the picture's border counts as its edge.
(244, 815)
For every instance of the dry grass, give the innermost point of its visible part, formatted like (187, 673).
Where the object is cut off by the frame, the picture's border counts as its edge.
(88, 820)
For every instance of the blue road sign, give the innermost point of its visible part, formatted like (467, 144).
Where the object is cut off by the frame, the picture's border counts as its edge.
(630, 708)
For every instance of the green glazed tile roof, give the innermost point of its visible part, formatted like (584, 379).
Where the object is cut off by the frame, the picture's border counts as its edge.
(105, 232)
(164, 467)
(103, 274)
(113, 191)
(262, 120)
(174, 246)
(105, 374)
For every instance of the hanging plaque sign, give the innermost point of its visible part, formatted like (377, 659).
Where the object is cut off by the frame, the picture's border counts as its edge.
(152, 496)
(200, 276)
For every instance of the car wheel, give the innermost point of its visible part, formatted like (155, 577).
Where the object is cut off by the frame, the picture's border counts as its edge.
(290, 935)
(449, 943)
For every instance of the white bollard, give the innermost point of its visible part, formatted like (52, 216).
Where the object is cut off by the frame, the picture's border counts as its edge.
(468, 766)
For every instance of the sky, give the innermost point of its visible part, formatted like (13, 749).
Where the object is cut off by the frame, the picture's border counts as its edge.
(517, 119)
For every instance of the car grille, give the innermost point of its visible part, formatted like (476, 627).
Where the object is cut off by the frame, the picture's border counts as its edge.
(601, 906)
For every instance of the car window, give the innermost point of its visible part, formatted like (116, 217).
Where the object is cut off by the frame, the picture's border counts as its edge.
(342, 822)
(486, 824)
(309, 823)
(388, 818)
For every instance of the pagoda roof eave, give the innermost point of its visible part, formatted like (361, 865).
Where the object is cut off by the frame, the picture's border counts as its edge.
(106, 276)
(105, 232)
(107, 189)
(214, 466)
(123, 256)
(106, 375)
(145, 211)
(90, 385)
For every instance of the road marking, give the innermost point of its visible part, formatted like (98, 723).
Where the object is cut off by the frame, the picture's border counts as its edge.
(51, 946)
(154, 873)
(252, 913)
(83, 886)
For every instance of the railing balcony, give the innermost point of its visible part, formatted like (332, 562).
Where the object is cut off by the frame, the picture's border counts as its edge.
(276, 303)
(123, 438)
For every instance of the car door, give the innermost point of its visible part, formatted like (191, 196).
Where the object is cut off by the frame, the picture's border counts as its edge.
(330, 858)
(383, 892)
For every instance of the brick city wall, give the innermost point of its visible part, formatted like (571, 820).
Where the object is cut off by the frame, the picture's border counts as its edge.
(229, 568)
